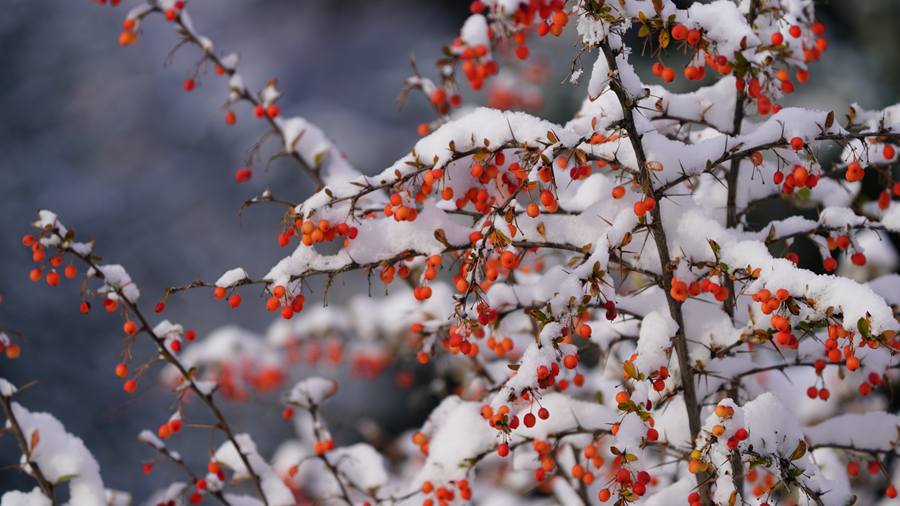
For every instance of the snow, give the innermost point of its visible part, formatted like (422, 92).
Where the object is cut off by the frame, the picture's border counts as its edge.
(362, 463)
(854, 300)
(232, 277)
(312, 391)
(16, 498)
(61, 456)
(654, 341)
(172, 492)
(274, 489)
(310, 143)
(116, 280)
(7, 389)
(875, 430)
(474, 31)
(151, 439)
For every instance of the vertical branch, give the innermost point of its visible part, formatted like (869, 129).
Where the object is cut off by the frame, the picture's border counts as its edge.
(679, 342)
(45, 485)
(737, 467)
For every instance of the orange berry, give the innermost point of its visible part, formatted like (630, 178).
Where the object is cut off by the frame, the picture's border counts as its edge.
(52, 278)
(13, 351)
(584, 330)
(855, 172)
(127, 38)
(668, 74)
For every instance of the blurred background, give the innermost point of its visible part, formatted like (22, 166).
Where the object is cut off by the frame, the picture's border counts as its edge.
(107, 138)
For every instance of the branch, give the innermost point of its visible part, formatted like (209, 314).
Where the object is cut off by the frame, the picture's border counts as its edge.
(728, 156)
(186, 29)
(171, 359)
(176, 459)
(45, 485)
(662, 247)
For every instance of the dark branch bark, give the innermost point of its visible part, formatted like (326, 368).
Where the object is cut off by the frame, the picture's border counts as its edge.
(679, 342)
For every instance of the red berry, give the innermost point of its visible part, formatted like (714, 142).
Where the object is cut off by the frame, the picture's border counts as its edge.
(243, 174)
(522, 52)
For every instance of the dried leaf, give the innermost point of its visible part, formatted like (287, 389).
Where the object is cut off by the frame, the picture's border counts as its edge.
(799, 451)
(35, 439)
(664, 39)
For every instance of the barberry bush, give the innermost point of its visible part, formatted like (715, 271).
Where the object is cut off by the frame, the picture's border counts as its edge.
(602, 320)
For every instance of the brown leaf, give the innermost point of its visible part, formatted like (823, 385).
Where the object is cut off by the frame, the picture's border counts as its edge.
(35, 439)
